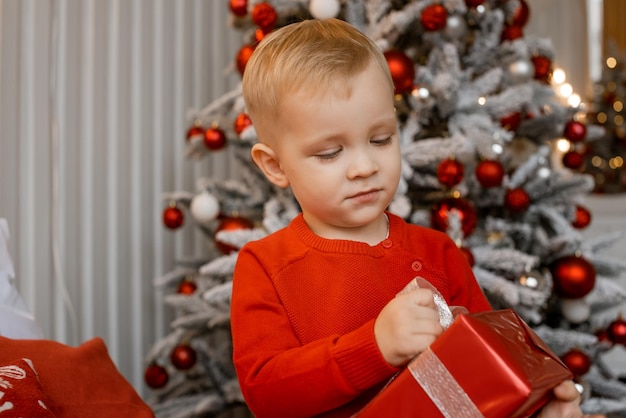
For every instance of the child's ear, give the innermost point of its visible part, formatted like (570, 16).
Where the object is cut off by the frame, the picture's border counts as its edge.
(268, 162)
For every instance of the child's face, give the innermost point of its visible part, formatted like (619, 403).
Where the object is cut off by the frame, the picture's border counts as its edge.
(341, 155)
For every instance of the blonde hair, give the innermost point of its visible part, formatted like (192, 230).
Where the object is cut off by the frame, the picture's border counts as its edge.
(311, 56)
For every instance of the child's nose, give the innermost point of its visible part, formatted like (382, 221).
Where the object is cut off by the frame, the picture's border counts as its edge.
(363, 164)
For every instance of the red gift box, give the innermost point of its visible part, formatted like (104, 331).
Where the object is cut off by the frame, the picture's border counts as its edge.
(489, 364)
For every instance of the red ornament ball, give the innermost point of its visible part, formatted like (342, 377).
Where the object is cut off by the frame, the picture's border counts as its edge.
(450, 172)
(238, 7)
(582, 217)
(516, 200)
(195, 130)
(183, 357)
(156, 376)
(575, 131)
(467, 214)
(474, 3)
(573, 160)
(173, 217)
(489, 173)
(617, 331)
(231, 223)
(511, 122)
(264, 16)
(573, 277)
(577, 361)
(469, 256)
(243, 56)
(186, 287)
(543, 68)
(402, 70)
(242, 121)
(511, 33)
(259, 34)
(521, 15)
(434, 17)
(214, 139)
(603, 336)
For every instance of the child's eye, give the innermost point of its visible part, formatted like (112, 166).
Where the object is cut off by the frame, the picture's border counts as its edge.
(382, 141)
(329, 155)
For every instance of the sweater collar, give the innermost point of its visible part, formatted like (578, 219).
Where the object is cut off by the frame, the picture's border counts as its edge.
(307, 236)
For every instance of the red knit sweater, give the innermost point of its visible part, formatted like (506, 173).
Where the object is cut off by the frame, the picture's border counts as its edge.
(303, 311)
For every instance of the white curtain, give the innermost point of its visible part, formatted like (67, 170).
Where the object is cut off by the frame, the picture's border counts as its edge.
(93, 115)
(565, 23)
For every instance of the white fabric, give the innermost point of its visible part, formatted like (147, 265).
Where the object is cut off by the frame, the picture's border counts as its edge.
(16, 321)
(6, 265)
(569, 38)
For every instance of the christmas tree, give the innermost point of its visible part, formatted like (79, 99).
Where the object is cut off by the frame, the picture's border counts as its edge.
(604, 157)
(478, 121)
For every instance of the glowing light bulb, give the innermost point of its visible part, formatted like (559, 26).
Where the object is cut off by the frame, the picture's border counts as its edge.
(574, 100)
(611, 62)
(566, 90)
(558, 76)
(562, 144)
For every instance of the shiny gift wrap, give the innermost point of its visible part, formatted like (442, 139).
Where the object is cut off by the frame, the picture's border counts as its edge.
(489, 364)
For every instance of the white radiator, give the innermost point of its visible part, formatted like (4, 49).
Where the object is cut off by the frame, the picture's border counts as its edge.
(94, 100)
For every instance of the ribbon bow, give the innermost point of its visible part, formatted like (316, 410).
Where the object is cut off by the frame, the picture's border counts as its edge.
(447, 314)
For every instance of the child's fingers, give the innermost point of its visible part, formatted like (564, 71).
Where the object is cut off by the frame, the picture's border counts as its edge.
(427, 327)
(566, 391)
(423, 297)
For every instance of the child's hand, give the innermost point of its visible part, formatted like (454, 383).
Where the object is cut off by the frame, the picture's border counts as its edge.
(406, 326)
(565, 403)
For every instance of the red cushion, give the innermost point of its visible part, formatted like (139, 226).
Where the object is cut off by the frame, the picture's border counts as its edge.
(79, 381)
(21, 394)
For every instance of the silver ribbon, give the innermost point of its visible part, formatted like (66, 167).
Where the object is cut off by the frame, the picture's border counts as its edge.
(441, 387)
(446, 313)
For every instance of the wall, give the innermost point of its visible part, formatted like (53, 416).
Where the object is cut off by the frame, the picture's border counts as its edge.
(615, 31)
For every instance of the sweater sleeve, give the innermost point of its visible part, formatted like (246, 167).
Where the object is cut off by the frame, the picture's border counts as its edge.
(278, 375)
(465, 290)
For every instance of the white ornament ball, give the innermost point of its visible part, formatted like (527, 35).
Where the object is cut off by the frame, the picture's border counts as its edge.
(575, 311)
(204, 207)
(456, 27)
(324, 9)
(521, 71)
